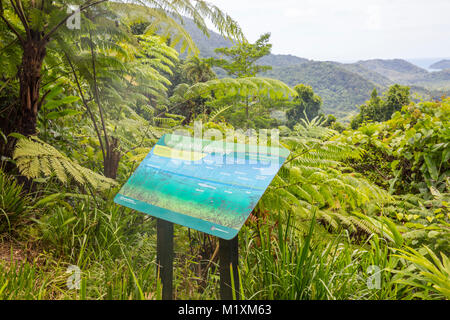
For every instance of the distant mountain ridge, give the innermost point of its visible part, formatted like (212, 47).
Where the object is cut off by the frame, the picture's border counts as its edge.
(404, 72)
(282, 60)
(340, 89)
(394, 69)
(342, 86)
(441, 65)
(366, 73)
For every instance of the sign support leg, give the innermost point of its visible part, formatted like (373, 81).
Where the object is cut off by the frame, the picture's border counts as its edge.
(228, 261)
(164, 257)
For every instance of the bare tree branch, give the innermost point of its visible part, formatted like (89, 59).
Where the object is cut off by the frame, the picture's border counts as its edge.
(86, 105)
(41, 100)
(97, 95)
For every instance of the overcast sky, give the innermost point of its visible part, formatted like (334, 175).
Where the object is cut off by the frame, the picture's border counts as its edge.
(347, 30)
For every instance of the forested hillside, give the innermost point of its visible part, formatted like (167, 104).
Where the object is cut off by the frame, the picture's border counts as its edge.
(396, 69)
(341, 90)
(343, 86)
(367, 74)
(403, 72)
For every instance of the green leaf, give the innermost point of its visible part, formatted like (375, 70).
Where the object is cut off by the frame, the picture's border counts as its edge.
(431, 167)
(54, 92)
(52, 104)
(17, 135)
(393, 228)
(59, 114)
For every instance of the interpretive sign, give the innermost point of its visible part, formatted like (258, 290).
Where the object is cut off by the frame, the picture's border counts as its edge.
(206, 185)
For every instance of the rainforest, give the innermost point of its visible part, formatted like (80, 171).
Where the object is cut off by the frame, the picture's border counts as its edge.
(359, 210)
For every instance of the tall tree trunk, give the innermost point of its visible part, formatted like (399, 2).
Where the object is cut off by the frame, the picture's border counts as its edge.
(30, 83)
(111, 162)
(22, 117)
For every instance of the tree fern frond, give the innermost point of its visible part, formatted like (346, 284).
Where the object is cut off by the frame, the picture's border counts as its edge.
(35, 158)
(239, 87)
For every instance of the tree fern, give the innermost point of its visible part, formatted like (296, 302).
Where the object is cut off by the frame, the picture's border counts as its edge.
(315, 177)
(35, 158)
(243, 87)
(214, 114)
(166, 17)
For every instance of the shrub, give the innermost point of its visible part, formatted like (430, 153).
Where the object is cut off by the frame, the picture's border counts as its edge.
(14, 204)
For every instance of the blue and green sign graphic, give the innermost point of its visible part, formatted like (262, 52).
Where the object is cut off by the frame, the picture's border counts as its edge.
(210, 186)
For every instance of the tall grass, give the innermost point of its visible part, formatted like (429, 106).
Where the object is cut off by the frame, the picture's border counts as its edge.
(427, 271)
(27, 281)
(115, 249)
(14, 204)
(283, 264)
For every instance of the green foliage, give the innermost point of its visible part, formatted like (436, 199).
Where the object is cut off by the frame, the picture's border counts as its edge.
(35, 158)
(425, 222)
(14, 204)
(416, 141)
(132, 73)
(341, 204)
(396, 97)
(10, 50)
(47, 18)
(379, 110)
(423, 148)
(332, 123)
(198, 70)
(306, 105)
(241, 87)
(28, 282)
(240, 60)
(427, 271)
(113, 248)
(341, 90)
(280, 264)
(408, 155)
(316, 179)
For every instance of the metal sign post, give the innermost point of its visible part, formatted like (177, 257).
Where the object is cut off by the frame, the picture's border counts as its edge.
(228, 264)
(164, 256)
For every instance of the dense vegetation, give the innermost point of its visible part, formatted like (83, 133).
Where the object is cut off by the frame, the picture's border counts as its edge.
(341, 90)
(379, 109)
(357, 212)
(342, 86)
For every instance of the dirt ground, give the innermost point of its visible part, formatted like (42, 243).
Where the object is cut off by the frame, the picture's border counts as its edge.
(11, 252)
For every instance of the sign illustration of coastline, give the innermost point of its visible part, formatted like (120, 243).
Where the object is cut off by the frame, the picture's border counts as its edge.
(210, 186)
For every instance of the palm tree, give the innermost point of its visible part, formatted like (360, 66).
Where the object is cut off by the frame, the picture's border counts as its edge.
(36, 23)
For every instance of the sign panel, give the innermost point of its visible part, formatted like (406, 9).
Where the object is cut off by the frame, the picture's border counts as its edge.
(210, 186)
